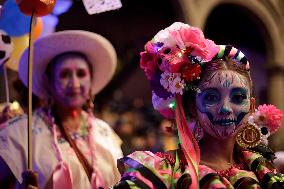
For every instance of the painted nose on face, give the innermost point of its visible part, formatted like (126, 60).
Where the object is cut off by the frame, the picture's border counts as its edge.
(74, 81)
(226, 108)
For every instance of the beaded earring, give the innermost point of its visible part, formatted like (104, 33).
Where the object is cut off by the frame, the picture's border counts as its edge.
(198, 131)
(250, 135)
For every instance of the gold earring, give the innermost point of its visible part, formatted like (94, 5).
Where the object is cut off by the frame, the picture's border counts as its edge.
(250, 136)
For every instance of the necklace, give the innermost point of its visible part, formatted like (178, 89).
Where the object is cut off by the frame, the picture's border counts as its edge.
(228, 172)
(81, 132)
(225, 172)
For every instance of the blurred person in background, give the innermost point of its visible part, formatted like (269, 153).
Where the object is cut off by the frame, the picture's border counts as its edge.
(71, 147)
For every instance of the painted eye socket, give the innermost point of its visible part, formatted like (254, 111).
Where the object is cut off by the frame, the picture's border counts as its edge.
(210, 96)
(81, 73)
(64, 74)
(238, 96)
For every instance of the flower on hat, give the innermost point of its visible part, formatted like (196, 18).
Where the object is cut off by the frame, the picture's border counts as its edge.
(174, 56)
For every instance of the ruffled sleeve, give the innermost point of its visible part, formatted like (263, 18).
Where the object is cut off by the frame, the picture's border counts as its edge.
(143, 169)
(263, 169)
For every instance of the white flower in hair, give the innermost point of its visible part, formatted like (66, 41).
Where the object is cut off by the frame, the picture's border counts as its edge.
(166, 77)
(164, 37)
(177, 85)
(177, 26)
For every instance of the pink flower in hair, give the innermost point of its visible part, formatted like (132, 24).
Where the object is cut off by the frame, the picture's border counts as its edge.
(192, 39)
(270, 116)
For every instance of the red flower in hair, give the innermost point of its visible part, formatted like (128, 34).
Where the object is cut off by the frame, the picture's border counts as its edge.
(190, 72)
(148, 62)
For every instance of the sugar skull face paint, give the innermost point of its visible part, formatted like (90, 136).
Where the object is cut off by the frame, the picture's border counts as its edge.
(71, 81)
(223, 102)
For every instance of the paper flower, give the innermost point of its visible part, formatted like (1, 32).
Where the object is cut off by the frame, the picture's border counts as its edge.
(268, 116)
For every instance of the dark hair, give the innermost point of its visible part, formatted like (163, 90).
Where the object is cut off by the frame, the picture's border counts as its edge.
(207, 72)
(51, 65)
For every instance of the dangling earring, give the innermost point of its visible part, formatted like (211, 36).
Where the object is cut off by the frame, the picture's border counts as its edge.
(198, 131)
(250, 135)
(90, 102)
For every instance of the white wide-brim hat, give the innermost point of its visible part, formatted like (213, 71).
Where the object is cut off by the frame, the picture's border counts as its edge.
(96, 48)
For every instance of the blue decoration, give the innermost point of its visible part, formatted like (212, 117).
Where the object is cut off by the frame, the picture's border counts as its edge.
(13, 21)
(62, 6)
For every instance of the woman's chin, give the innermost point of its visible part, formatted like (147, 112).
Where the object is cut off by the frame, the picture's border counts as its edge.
(75, 103)
(224, 132)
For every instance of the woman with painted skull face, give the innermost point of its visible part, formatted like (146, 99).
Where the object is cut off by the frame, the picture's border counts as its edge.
(207, 90)
(71, 148)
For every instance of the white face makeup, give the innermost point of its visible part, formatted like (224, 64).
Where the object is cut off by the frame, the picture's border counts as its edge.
(71, 81)
(223, 103)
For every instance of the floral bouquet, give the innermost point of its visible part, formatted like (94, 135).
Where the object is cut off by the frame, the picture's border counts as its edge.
(172, 61)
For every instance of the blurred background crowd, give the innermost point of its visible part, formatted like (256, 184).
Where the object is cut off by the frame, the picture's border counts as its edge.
(138, 125)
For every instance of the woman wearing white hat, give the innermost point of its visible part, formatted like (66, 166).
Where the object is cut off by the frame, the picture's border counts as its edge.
(71, 148)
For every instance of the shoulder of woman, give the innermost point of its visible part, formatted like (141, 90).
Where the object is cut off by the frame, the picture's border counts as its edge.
(144, 164)
(104, 136)
(15, 129)
(14, 124)
(264, 170)
(105, 130)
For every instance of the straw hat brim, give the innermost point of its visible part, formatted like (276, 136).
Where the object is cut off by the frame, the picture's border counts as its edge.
(96, 48)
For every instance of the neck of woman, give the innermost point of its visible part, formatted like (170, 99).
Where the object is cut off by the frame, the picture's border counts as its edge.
(217, 154)
(70, 118)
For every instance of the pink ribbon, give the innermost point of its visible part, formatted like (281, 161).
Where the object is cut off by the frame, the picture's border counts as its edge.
(189, 144)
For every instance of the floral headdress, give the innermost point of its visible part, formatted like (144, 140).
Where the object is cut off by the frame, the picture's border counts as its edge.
(172, 61)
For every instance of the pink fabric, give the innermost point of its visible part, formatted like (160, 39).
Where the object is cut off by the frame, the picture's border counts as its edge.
(62, 171)
(142, 178)
(188, 142)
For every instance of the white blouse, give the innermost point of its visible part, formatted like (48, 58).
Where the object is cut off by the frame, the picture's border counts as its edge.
(13, 149)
